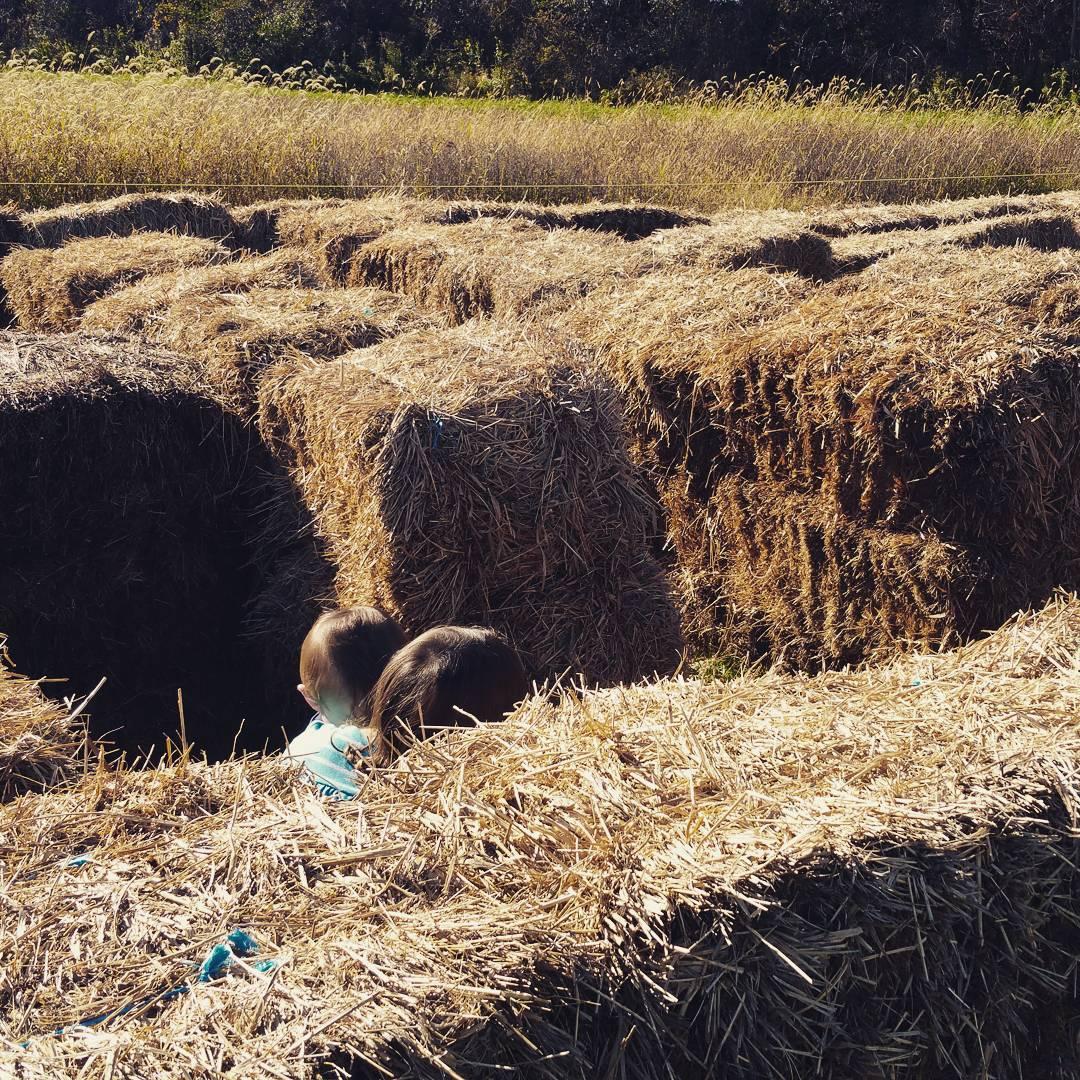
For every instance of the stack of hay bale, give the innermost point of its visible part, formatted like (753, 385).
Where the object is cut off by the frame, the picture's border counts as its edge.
(870, 874)
(890, 457)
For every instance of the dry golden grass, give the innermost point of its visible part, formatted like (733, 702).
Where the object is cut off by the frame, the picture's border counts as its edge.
(860, 873)
(255, 143)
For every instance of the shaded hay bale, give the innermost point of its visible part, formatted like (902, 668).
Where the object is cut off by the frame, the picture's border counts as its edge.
(933, 395)
(630, 222)
(809, 588)
(874, 218)
(481, 476)
(49, 288)
(40, 745)
(11, 232)
(128, 543)
(859, 874)
(332, 231)
(138, 308)
(183, 213)
(492, 266)
(741, 239)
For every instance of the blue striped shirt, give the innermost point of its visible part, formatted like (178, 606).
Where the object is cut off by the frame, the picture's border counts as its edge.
(321, 747)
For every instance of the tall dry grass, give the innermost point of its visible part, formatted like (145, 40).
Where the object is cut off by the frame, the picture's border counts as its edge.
(74, 135)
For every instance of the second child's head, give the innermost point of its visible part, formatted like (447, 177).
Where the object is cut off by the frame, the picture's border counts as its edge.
(342, 658)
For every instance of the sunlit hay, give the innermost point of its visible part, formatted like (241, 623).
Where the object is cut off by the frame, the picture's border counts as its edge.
(40, 744)
(493, 266)
(1049, 230)
(654, 335)
(11, 232)
(332, 232)
(48, 288)
(858, 874)
(128, 545)
(138, 308)
(181, 212)
(739, 239)
(480, 475)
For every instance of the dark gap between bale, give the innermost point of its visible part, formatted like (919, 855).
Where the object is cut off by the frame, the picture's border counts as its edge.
(481, 476)
(143, 526)
(627, 222)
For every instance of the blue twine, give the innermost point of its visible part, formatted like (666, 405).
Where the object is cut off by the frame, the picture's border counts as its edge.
(436, 431)
(239, 943)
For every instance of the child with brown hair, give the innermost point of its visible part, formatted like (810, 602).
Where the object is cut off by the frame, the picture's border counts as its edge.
(341, 660)
(450, 676)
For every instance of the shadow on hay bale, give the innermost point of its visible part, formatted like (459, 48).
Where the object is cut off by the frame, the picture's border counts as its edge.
(49, 288)
(180, 212)
(1045, 231)
(857, 874)
(934, 395)
(142, 525)
(738, 240)
(480, 475)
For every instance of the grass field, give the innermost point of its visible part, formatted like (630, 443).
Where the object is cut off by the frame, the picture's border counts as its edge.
(67, 136)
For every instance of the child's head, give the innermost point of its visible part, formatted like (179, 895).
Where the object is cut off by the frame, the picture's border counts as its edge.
(440, 680)
(342, 657)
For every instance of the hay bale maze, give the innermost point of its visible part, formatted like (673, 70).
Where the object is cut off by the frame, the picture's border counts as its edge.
(842, 446)
(874, 873)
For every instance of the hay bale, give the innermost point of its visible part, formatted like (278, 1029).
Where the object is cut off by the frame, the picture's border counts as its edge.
(481, 476)
(237, 335)
(49, 288)
(931, 395)
(129, 543)
(874, 218)
(172, 212)
(630, 222)
(1049, 230)
(492, 266)
(740, 239)
(859, 874)
(331, 232)
(137, 308)
(40, 744)
(809, 588)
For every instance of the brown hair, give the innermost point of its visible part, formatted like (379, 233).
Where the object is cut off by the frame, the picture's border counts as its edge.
(344, 654)
(429, 683)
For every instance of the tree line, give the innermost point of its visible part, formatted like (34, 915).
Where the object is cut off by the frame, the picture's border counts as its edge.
(555, 47)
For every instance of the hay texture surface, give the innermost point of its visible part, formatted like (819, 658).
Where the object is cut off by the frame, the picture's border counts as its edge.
(140, 307)
(867, 874)
(49, 288)
(738, 240)
(182, 213)
(933, 396)
(479, 475)
(495, 266)
(40, 745)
